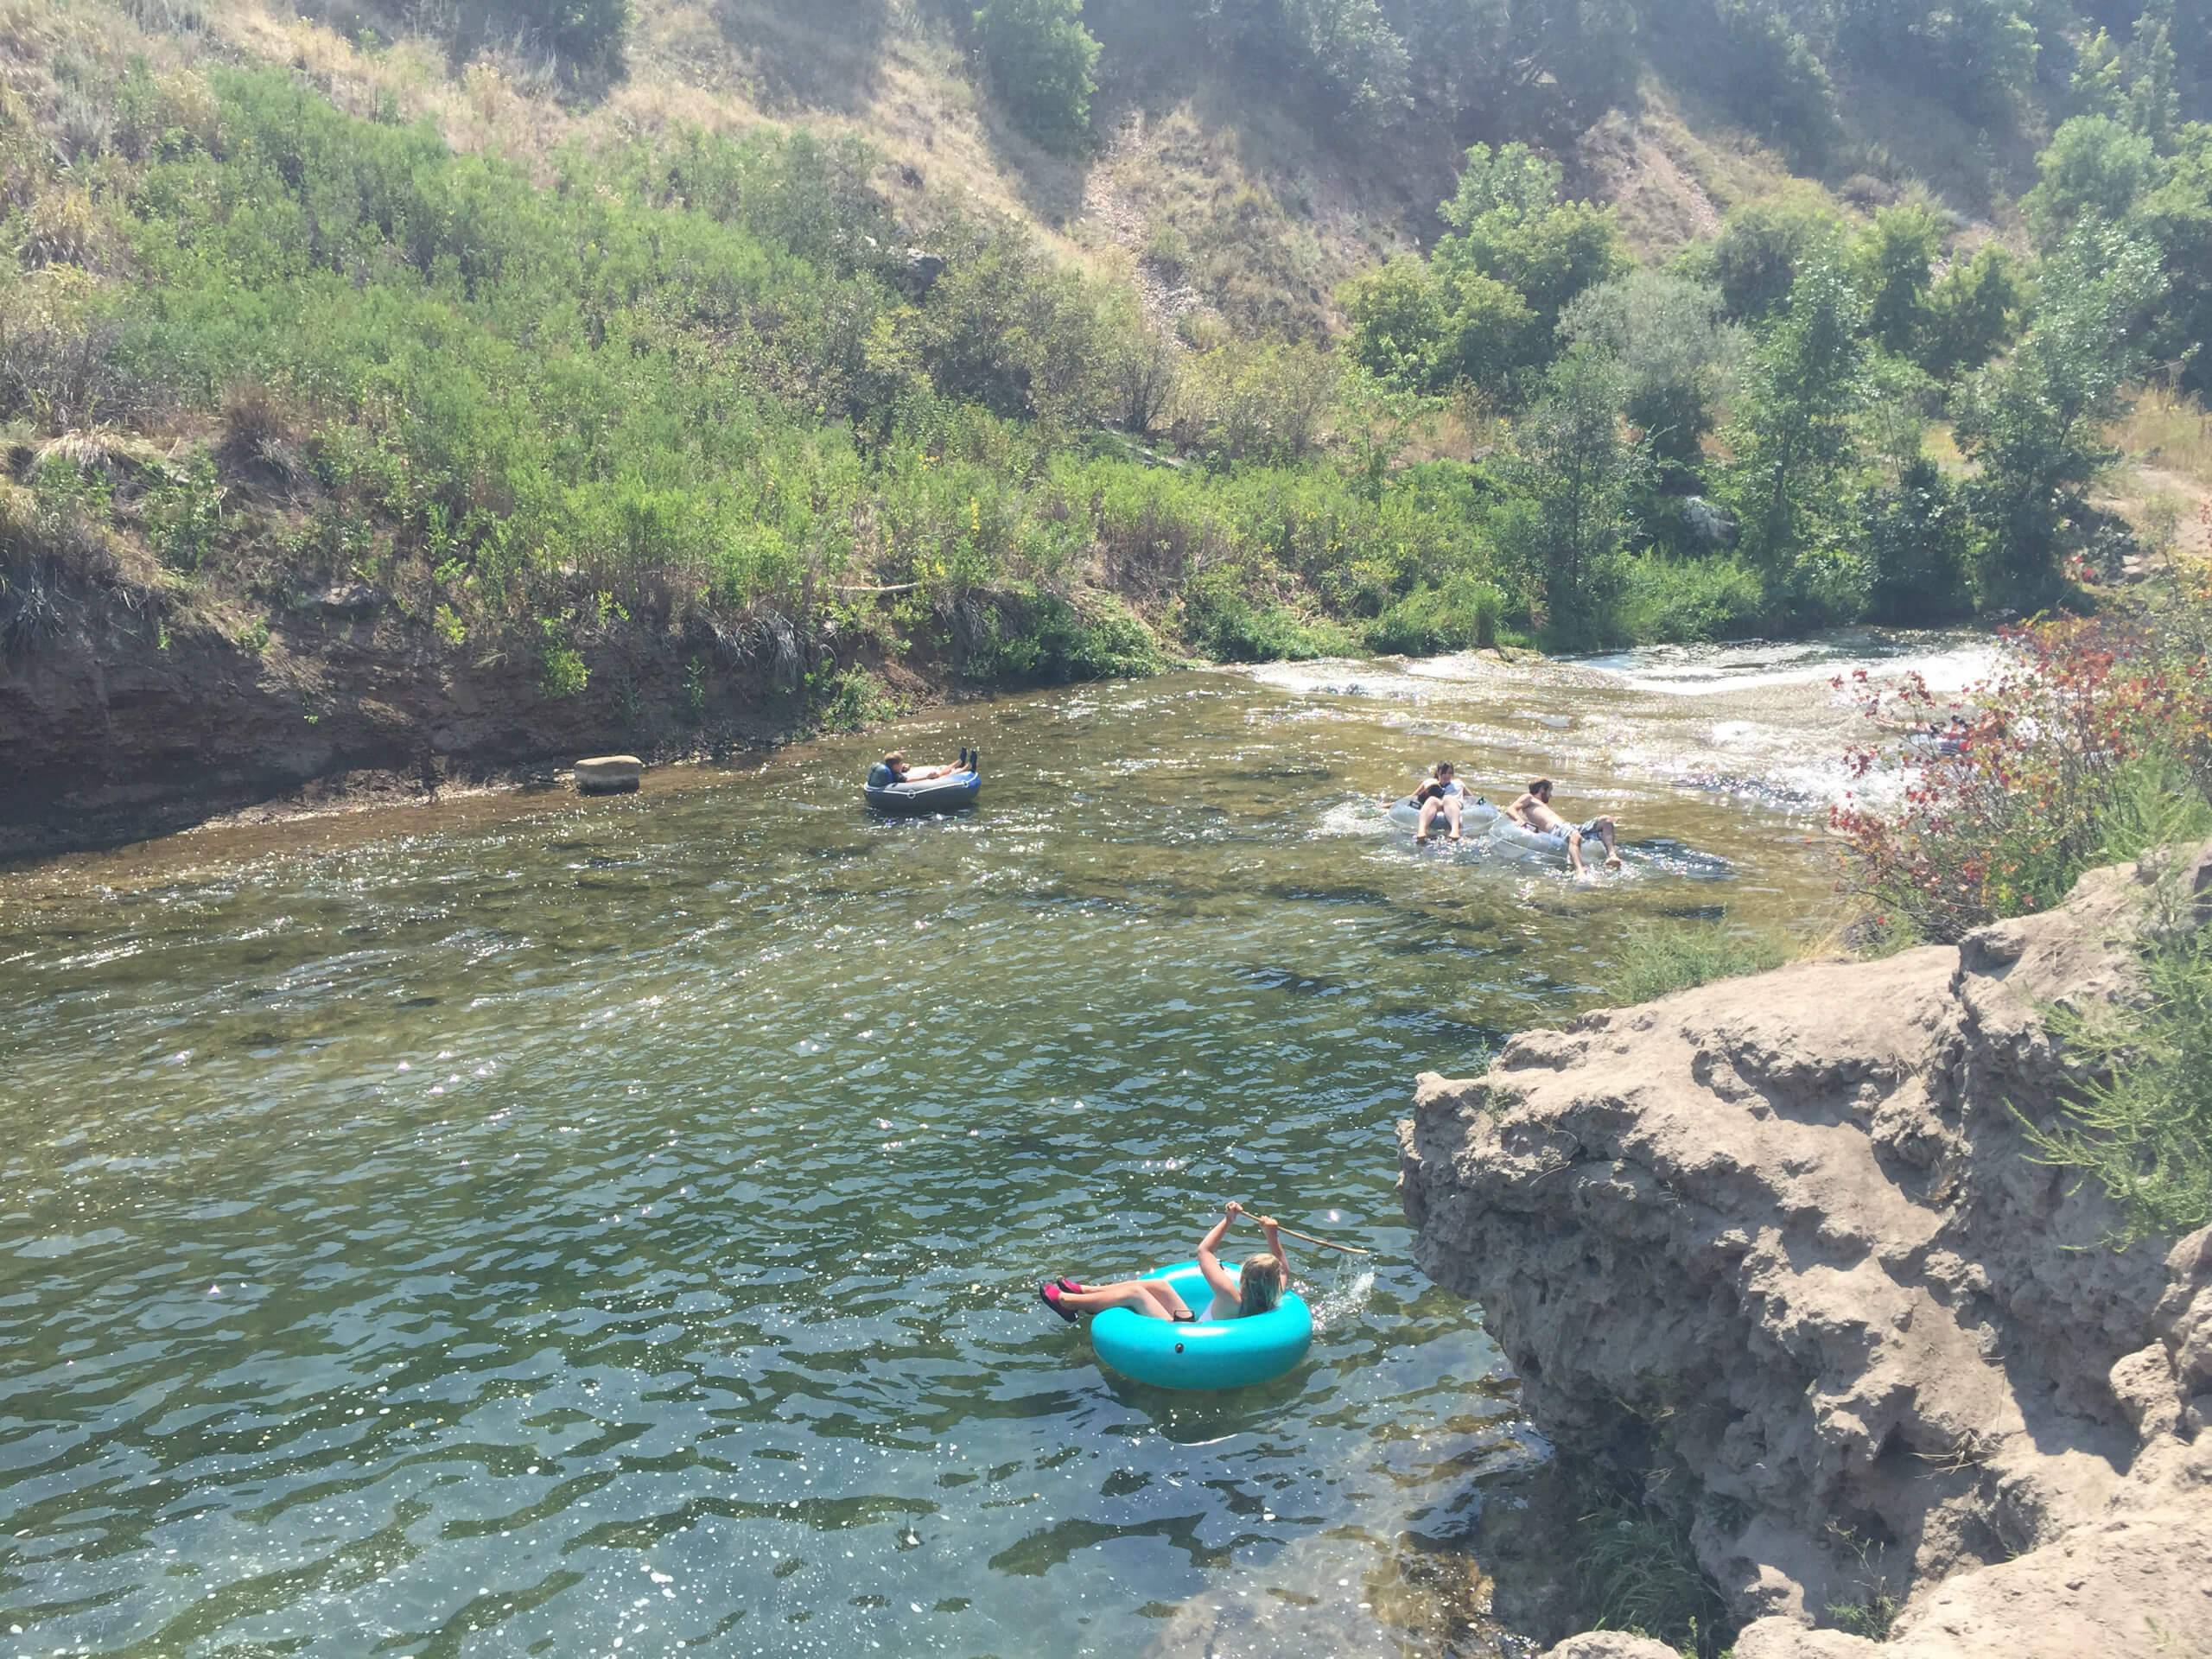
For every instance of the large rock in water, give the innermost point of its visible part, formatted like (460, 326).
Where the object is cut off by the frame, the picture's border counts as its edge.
(608, 774)
(1786, 1236)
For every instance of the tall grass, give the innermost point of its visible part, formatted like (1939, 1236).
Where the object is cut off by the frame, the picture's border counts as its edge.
(1655, 960)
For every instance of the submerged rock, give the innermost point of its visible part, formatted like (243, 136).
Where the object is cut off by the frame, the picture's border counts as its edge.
(1784, 1236)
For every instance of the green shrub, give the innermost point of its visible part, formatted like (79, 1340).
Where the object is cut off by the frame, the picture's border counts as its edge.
(2143, 1129)
(1041, 59)
(1691, 601)
(1223, 621)
(848, 700)
(561, 669)
(1462, 612)
(1052, 641)
(1656, 960)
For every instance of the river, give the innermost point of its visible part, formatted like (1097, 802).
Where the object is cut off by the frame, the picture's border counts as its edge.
(527, 1224)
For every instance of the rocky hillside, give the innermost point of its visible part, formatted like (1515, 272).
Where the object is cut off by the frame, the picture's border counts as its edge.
(1778, 1248)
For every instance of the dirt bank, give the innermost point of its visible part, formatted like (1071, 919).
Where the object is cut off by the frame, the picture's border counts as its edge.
(1777, 1247)
(139, 722)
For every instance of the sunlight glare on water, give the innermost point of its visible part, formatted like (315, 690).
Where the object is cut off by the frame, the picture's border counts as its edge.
(528, 1225)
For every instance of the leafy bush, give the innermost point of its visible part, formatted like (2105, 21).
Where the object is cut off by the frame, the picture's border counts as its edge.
(2069, 757)
(1042, 61)
(1051, 641)
(1918, 544)
(1691, 601)
(1655, 960)
(1223, 620)
(2142, 1128)
(1462, 612)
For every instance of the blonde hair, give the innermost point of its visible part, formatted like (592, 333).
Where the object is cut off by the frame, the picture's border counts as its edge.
(1259, 1287)
(894, 757)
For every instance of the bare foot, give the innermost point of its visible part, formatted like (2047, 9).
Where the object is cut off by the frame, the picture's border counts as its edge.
(1421, 841)
(1613, 862)
(1455, 834)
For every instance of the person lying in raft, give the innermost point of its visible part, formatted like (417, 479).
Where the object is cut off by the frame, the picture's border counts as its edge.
(1256, 1290)
(893, 769)
(1533, 811)
(1440, 794)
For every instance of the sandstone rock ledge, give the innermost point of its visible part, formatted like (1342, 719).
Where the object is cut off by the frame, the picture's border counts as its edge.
(1779, 1241)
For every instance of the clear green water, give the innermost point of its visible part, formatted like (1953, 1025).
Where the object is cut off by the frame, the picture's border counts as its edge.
(529, 1224)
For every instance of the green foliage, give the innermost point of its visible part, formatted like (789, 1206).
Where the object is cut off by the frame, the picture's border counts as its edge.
(1655, 959)
(1462, 612)
(561, 669)
(1222, 618)
(1639, 1573)
(1677, 354)
(2096, 85)
(2034, 424)
(2142, 1129)
(1794, 439)
(1973, 311)
(184, 515)
(1049, 641)
(586, 34)
(1894, 261)
(1575, 475)
(2153, 104)
(1691, 601)
(1512, 227)
(1768, 74)
(1918, 546)
(848, 700)
(2094, 168)
(1043, 62)
(1755, 259)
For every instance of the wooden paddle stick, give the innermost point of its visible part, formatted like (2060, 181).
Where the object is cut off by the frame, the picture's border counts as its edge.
(1326, 1244)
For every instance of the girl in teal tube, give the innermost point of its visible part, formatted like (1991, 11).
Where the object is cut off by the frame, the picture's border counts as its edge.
(1256, 1289)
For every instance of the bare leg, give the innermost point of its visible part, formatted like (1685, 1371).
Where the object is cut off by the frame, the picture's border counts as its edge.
(1451, 812)
(1603, 830)
(1574, 852)
(1155, 1299)
(1430, 809)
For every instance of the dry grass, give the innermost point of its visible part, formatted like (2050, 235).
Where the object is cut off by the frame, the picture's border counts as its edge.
(2170, 431)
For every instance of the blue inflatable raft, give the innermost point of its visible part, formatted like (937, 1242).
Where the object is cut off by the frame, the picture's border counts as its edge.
(1209, 1354)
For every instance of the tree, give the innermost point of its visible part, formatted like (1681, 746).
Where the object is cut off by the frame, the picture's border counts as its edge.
(1917, 540)
(2033, 425)
(1676, 347)
(2097, 85)
(1041, 59)
(588, 36)
(1794, 439)
(1572, 474)
(1512, 227)
(1397, 318)
(2154, 107)
(1353, 54)
(2178, 215)
(1755, 260)
(2094, 168)
(1972, 313)
(1894, 261)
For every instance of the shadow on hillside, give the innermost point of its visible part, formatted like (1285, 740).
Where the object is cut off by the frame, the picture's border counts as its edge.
(809, 55)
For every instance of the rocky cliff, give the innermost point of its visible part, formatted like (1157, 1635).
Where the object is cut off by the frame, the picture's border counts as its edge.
(1780, 1244)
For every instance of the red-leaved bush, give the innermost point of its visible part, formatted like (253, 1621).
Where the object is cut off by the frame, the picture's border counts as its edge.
(2094, 742)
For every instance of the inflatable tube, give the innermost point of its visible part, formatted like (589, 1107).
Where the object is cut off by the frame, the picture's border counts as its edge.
(945, 794)
(1510, 837)
(1209, 1354)
(1473, 815)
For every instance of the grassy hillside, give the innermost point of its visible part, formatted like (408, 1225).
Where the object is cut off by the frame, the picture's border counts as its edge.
(744, 364)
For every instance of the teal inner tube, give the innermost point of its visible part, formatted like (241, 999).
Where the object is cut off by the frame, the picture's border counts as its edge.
(1209, 1354)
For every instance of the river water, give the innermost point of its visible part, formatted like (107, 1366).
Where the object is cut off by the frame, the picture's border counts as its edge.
(528, 1225)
